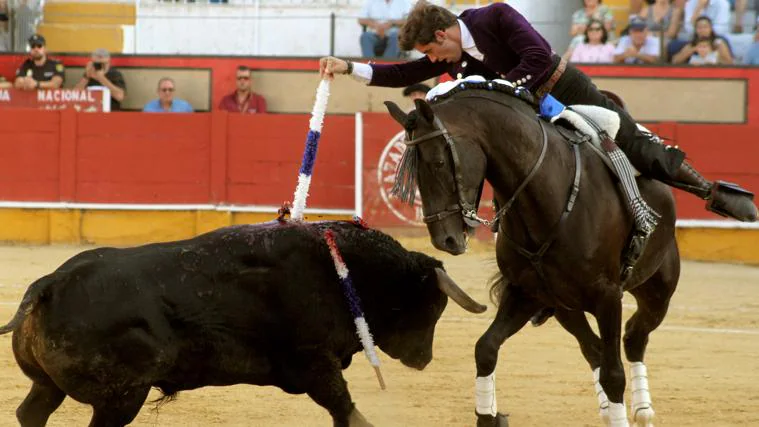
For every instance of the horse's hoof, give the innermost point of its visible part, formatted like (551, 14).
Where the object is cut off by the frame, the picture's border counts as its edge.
(500, 420)
(643, 417)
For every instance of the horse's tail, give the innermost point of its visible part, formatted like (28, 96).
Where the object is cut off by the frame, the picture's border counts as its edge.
(31, 297)
(498, 285)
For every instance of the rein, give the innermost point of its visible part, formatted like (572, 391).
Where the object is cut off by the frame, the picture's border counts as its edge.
(469, 212)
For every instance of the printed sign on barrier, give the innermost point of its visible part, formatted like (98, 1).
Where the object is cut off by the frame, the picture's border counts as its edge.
(387, 169)
(94, 99)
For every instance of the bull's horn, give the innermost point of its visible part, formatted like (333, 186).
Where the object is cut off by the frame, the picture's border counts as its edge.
(450, 288)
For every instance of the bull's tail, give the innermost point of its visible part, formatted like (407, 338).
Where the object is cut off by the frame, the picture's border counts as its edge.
(27, 304)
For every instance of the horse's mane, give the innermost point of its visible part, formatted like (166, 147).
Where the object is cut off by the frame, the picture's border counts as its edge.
(495, 86)
(405, 180)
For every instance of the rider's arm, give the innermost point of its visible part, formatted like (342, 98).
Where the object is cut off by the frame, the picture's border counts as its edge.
(533, 51)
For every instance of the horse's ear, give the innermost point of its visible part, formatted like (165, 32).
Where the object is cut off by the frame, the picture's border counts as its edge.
(425, 110)
(396, 112)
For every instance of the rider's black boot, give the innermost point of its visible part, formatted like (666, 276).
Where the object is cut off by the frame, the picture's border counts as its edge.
(724, 198)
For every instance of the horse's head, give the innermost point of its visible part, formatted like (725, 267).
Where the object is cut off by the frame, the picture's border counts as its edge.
(450, 170)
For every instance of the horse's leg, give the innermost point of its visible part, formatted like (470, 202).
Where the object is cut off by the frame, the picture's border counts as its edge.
(575, 322)
(653, 298)
(514, 310)
(612, 373)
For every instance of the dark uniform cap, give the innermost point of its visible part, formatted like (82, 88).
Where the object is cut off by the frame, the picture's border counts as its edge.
(36, 39)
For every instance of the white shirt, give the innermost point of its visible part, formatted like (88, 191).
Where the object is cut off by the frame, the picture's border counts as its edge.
(467, 42)
(717, 10)
(385, 10)
(650, 47)
(363, 72)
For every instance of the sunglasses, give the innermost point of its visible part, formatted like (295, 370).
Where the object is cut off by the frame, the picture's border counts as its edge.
(37, 46)
(167, 89)
(243, 78)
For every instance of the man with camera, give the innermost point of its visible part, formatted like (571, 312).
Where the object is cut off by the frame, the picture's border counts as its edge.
(98, 72)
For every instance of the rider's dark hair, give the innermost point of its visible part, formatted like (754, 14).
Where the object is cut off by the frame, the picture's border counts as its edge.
(422, 22)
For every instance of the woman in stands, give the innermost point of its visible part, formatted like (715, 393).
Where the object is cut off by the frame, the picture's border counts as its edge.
(595, 48)
(705, 31)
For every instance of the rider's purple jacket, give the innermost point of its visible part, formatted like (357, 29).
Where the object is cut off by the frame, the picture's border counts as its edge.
(511, 47)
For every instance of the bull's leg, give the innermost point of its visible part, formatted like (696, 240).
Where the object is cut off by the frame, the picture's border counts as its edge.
(42, 400)
(514, 310)
(577, 324)
(612, 373)
(120, 410)
(324, 383)
(653, 298)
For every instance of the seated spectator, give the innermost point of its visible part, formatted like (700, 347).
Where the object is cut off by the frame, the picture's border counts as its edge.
(593, 9)
(705, 54)
(166, 103)
(39, 71)
(595, 47)
(662, 17)
(638, 47)
(739, 7)
(243, 99)
(718, 11)
(98, 72)
(704, 31)
(382, 19)
(752, 55)
(416, 91)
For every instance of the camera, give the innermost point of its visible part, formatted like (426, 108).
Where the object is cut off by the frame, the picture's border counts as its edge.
(97, 65)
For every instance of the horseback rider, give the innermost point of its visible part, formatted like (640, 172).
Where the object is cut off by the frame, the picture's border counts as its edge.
(496, 41)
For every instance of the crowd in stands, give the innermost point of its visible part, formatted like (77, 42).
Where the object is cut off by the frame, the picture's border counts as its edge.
(39, 71)
(694, 32)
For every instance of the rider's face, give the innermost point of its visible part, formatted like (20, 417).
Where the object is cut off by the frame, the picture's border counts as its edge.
(444, 48)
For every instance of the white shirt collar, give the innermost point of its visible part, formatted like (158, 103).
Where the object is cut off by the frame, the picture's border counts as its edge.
(467, 42)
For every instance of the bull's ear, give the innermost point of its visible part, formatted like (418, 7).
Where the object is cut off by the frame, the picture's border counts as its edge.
(425, 110)
(396, 112)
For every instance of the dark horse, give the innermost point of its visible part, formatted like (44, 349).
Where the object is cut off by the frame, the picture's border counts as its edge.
(557, 248)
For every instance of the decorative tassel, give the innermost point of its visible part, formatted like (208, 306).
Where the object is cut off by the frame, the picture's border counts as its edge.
(405, 179)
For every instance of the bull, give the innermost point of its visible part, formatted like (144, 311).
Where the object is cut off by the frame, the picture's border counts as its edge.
(251, 304)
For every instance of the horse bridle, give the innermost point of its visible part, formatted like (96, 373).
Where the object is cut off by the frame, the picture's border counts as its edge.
(468, 210)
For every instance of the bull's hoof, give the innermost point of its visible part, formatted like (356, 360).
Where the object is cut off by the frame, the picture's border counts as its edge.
(500, 420)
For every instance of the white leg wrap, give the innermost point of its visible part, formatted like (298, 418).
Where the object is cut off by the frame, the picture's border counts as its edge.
(618, 415)
(641, 407)
(603, 400)
(484, 391)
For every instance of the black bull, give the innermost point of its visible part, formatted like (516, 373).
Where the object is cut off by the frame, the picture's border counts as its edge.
(254, 304)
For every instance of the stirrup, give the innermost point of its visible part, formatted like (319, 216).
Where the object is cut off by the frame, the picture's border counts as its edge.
(635, 250)
(727, 189)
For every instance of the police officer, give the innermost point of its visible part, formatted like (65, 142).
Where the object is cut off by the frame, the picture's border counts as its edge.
(39, 71)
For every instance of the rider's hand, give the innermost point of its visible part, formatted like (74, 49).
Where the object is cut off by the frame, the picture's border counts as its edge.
(329, 66)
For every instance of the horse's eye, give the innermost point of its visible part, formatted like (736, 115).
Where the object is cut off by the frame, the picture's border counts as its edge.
(439, 164)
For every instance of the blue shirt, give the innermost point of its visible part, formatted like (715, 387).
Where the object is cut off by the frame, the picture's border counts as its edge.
(752, 56)
(177, 106)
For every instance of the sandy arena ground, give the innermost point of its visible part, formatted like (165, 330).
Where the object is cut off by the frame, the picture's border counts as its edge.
(703, 363)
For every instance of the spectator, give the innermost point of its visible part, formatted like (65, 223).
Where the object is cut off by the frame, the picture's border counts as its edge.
(166, 103)
(4, 33)
(752, 56)
(595, 47)
(39, 71)
(705, 54)
(704, 30)
(98, 72)
(662, 17)
(243, 99)
(416, 91)
(718, 11)
(740, 11)
(5, 84)
(382, 19)
(638, 47)
(593, 10)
